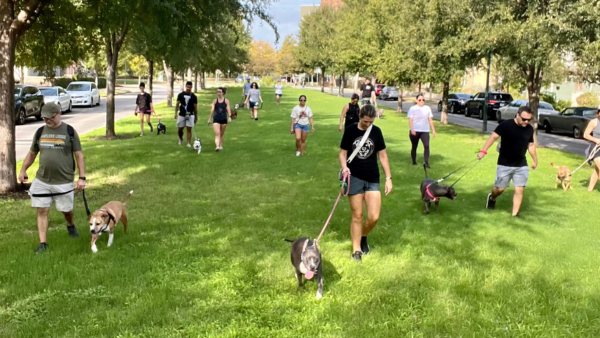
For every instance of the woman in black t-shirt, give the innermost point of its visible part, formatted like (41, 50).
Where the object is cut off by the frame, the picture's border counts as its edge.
(144, 106)
(350, 113)
(364, 176)
(222, 115)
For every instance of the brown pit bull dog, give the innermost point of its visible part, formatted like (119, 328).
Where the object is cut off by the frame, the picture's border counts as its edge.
(563, 176)
(106, 218)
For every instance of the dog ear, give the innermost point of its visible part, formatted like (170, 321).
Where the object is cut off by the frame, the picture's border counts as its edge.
(316, 244)
(305, 245)
(104, 216)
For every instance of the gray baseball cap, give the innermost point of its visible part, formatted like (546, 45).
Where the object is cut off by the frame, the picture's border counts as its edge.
(49, 109)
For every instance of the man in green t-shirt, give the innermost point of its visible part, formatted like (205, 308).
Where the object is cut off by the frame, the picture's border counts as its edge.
(55, 174)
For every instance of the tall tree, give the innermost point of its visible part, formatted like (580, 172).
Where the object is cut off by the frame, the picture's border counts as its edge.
(286, 61)
(262, 58)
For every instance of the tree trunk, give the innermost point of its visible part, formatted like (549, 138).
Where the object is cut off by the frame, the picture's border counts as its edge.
(446, 89)
(332, 83)
(8, 160)
(356, 82)
(419, 87)
(139, 79)
(22, 75)
(534, 84)
(195, 82)
(322, 80)
(150, 76)
(400, 98)
(170, 83)
(96, 78)
(342, 83)
(182, 83)
(111, 78)
(202, 80)
(430, 92)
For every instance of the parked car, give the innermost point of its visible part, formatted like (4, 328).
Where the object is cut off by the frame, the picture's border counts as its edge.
(510, 111)
(239, 79)
(84, 93)
(28, 102)
(456, 103)
(59, 96)
(571, 120)
(496, 100)
(388, 93)
(378, 89)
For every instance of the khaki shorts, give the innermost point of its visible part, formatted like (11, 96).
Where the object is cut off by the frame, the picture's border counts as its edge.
(62, 203)
(185, 121)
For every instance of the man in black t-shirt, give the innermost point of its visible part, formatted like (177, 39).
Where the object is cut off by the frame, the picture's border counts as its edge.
(517, 138)
(367, 92)
(143, 106)
(187, 106)
(364, 177)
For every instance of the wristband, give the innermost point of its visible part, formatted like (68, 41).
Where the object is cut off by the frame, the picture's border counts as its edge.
(388, 178)
(483, 151)
(82, 178)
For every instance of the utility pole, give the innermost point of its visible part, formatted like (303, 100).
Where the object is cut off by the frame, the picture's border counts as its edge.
(487, 94)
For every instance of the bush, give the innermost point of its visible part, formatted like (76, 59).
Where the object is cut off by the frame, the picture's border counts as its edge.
(562, 104)
(547, 97)
(267, 82)
(588, 100)
(63, 81)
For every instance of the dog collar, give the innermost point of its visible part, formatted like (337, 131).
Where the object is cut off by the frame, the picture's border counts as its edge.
(433, 198)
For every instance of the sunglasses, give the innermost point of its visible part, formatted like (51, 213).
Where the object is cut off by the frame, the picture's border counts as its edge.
(421, 100)
(525, 120)
(302, 100)
(219, 92)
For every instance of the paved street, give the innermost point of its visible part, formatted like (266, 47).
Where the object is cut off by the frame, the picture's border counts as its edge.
(560, 142)
(85, 119)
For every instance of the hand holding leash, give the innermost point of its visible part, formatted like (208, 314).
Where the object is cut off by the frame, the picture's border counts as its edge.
(23, 178)
(80, 184)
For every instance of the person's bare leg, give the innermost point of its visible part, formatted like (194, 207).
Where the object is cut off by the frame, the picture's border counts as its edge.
(148, 120)
(517, 200)
(223, 128)
(255, 112)
(298, 139)
(141, 121)
(180, 133)
(189, 135)
(69, 217)
(356, 227)
(595, 175)
(217, 130)
(497, 192)
(303, 142)
(42, 223)
(373, 202)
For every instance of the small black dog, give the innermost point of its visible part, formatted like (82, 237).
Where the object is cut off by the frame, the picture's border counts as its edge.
(431, 192)
(161, 128)
(306, 260)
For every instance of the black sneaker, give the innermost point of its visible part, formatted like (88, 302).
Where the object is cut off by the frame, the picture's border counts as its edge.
(357, 256)
(41, 248)
(256, 119)
(427, 165)
(72, 231)
(517, 216)
(490, 204)
(364, 246)
(151, 129)
(414, 163)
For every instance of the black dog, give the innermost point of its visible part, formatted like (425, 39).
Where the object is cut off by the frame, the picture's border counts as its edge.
(306, 260)
(431, 192)
(161, 128)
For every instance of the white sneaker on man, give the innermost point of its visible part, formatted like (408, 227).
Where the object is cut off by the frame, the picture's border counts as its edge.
(142, 134)
(297, 153)
(189, 145)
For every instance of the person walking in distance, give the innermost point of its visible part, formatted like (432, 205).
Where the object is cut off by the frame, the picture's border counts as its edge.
(187, 106)
(60, 149)
(144, 106)
(245, 92)
(253, 98)
(516, 138)
(592, 134)
(350, 113)
(367, 93)
(301, 116)
(222, 115)
(364, 176)
(420, 120)
(278, 91)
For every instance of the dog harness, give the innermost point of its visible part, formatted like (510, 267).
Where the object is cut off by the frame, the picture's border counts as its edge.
(433, 198)
(110, 218)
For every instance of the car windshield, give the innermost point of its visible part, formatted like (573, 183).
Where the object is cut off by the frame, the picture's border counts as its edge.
(463, 96)
(590, 112)
(17, 91)
(501, 97)
(394, 88)
(79, 87)
(546, 105)
(49, 91)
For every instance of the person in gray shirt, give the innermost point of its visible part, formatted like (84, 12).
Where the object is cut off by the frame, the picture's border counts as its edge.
(245, 91)
(253, 98)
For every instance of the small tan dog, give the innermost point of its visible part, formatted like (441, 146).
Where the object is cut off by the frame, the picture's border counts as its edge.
(563, 176)
(106, 218)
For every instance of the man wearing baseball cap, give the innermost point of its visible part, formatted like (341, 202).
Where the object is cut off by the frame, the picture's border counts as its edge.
(57, 143)
(246, 90)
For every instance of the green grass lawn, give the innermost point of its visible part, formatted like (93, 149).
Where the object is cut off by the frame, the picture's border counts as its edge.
(204, 255)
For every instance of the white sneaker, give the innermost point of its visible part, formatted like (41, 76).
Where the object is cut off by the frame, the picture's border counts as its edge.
(297, 153)
(189, 145)
(142, 134)
(217, 149)
(179, 141)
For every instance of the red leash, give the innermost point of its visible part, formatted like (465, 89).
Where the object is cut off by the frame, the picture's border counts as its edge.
(345, 181)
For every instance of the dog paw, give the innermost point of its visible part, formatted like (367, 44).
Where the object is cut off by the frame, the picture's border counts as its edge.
(94, 249)
(319, 295)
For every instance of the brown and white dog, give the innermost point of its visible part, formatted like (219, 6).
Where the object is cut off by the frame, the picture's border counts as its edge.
(563, 176)
(106, 218)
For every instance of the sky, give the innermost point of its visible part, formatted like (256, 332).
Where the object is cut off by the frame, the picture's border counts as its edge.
(286, 14)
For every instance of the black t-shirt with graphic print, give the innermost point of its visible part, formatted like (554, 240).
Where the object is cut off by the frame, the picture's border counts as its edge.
(364, 165)
(143, 102)
(366, 89)
(186, 103)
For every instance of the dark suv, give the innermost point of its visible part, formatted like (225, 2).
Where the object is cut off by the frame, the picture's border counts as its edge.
(28, 102)
(475, 105)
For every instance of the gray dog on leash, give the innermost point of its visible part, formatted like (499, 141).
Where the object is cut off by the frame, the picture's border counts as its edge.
(431, 191)
(306, 259)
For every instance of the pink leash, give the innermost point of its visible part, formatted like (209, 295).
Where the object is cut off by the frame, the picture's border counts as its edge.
(345, 180)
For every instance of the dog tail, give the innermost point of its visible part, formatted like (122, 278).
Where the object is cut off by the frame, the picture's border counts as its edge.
(554, 166)
(289, 240)
(127, 197)
(425, 168)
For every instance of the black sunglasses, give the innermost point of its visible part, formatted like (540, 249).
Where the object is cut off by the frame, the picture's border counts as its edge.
(525, 120)
(421, 100)
(302, 100)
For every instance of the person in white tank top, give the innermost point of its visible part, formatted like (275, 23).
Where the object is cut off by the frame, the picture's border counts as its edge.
(592, 134)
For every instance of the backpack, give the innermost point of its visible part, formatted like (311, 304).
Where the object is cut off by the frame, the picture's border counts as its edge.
(70, 131)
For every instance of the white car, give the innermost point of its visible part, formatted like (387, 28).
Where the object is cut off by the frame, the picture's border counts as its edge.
(59, 96)
(84, 93)
(510, 111)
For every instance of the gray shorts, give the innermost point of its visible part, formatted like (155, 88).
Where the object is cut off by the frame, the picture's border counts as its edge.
(62, 203)
(358, 186)
(504, 174)
(185, 121)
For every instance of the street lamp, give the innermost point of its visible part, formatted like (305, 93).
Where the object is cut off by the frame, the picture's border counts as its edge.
(487, 94)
